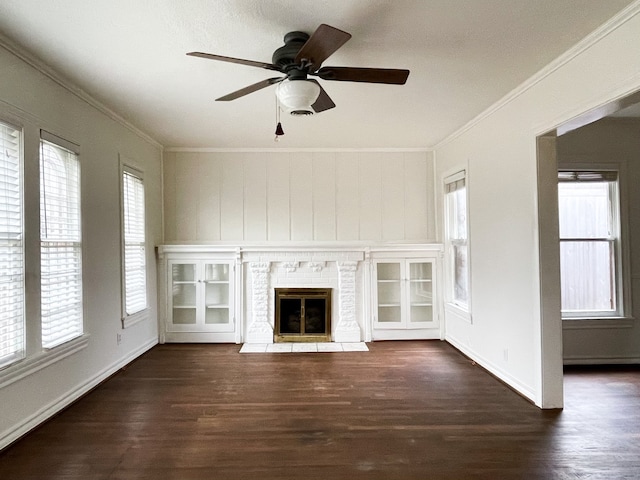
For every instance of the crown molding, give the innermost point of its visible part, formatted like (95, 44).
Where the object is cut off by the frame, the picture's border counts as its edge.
(39, 65)
(590, 40)
(295, 150)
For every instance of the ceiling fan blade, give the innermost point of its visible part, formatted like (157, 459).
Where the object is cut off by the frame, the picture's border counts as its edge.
(323, 102)
(241, 61)
(367, 75)
(324, 42)
(250, 89)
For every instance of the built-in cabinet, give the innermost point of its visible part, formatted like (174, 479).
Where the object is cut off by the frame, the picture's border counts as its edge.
(229, 294)
(404, 298)
(201, 299)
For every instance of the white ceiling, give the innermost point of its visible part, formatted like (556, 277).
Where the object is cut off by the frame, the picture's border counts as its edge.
(463, 55)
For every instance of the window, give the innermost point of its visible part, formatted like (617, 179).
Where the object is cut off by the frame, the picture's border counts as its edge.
(133, 239)
(60, 242)
(457, 240)
(11, 247)
(590, 247)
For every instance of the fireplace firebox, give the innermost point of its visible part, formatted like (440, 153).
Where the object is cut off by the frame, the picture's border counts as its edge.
(302, 315)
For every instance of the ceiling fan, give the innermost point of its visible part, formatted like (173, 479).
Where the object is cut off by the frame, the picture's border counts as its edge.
(300, 57)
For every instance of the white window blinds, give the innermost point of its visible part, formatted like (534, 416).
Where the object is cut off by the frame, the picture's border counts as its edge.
(135, 272)
(457, 238)
(60, 244)
(11, 248)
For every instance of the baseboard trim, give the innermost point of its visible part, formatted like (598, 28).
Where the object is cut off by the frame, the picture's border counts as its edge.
(601, 361)
(501, 375)
(12, 435)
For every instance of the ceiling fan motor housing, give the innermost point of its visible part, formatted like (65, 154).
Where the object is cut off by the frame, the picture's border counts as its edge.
(285, 56)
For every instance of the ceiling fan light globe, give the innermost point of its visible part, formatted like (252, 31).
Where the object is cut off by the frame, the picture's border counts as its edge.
(297, 95)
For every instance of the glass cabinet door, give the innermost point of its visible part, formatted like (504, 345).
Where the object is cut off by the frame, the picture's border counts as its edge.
(420, 292)
(183, 293)
(389, 283)
(216, 286)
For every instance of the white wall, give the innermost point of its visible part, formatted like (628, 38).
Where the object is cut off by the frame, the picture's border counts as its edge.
(34, 101)
(506, 335)
(614, 141)
(298, 196)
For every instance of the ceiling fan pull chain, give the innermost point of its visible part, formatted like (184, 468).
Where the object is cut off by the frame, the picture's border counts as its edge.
(279, 130)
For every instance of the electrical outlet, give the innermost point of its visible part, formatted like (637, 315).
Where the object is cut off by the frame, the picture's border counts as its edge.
(119, 338)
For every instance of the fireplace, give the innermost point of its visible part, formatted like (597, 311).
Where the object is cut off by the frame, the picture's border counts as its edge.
(302, 315)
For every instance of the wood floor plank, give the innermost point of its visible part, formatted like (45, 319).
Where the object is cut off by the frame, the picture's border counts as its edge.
(403, 410)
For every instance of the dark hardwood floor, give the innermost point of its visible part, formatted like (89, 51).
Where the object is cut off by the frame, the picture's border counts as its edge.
(404, 410)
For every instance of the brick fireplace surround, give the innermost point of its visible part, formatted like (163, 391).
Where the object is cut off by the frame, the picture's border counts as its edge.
(340, 270)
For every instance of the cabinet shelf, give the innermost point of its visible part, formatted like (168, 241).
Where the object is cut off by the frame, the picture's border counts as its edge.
(184, 306)
(217, 282)
(184, 282)
(217, 306)
(389, 305)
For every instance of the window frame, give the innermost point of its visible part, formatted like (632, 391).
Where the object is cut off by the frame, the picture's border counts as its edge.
(128, 167)
(462, 309)
(618, 215)
(75, 245)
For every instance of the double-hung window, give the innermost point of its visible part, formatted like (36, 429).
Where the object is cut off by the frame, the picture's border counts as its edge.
(11, 247)
(60, 242)
(590, 244)
(457, 245)
(134, 246)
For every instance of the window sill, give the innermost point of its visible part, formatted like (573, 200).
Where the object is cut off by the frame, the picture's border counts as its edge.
(32, 364)
(575, 323)
(457, 310)
(137, 317)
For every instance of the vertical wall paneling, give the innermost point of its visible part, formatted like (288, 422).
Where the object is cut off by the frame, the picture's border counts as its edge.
(417, 196)
(209, 191)
(186, 179)
(393, 197)
(300, 184)
(255, 197)
(232, 208)
(430, 198)
(298, 196)
(347, 191)
(278, 209)
(370, 197)
(324, 196)
(169, 192)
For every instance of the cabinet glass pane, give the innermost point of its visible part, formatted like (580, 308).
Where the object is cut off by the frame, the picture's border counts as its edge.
(420, 271)
(183, 272)
(421, 314)
(217, 316)
(389, 293)
(420, 293)
(184, 295)
(389, 314)
(388, 271)
(216, 294)
(184, 316)
(216, 272)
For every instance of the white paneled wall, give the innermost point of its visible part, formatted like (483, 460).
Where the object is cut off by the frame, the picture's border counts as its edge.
(298, 196)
